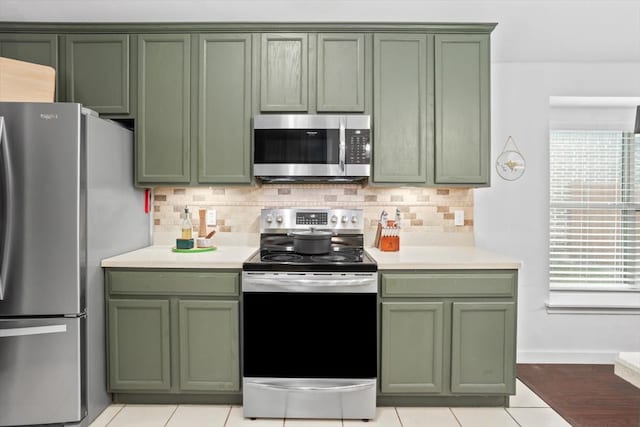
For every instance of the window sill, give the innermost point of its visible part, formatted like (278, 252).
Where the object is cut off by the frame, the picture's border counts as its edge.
(593, 302)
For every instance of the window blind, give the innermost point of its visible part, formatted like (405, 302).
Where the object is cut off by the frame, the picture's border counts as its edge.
(594, 197)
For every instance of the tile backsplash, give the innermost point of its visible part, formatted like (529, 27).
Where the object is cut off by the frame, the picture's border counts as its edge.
(238, 207)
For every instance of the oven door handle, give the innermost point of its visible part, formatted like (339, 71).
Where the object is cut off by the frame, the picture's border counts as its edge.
(292, 387)
(314, 284)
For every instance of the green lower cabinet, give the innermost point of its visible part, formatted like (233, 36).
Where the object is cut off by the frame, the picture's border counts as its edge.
(483, 347)
(447, 334)
(412, 347)
(173, 332)
(209, 345)
(139, 346)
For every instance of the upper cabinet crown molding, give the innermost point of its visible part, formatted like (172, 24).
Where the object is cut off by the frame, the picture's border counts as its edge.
(226, 27)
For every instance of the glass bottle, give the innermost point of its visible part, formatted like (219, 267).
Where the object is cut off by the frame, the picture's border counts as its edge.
(187, 227)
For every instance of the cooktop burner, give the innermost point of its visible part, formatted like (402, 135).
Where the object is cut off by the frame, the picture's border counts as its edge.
(281, 257)
(338, 257)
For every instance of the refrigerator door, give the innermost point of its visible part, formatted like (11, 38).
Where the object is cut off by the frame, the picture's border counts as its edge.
(42, 204)
(41, 371)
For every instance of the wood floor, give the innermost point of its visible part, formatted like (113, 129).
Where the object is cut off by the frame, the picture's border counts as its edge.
(585, 395)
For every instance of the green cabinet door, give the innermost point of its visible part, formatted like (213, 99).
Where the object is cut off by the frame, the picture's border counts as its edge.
(483, 347)
(97, 71)
(412, 347)
(209, 346)
(284, 72)
(399, 108)
(139, 345)
(462, 106)
(340, 72)
(163, 119)
(36, 48)
(224, 108)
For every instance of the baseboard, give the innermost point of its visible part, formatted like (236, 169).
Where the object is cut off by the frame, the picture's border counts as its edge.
(597, 358)
(627, 367)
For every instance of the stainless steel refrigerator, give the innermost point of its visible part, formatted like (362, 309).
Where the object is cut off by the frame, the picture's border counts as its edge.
(66, 201)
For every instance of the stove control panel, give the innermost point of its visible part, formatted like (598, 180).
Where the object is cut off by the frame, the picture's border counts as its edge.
(277, 220)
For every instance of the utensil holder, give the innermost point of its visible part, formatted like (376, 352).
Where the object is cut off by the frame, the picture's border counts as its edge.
(389, 239)
(390, 244)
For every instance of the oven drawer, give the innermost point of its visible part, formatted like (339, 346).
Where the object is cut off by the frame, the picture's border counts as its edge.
(474, 283)
(309, 398)
(173, 282)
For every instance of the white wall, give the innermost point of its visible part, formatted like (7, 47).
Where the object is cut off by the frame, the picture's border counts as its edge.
(539, 49)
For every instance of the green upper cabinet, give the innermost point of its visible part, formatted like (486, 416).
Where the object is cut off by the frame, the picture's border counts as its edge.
(163, 120)
(284, 74)
(400, 108)
(340, 72)
(36, 48)
(97, 72)
(462, 104)
(224, 108)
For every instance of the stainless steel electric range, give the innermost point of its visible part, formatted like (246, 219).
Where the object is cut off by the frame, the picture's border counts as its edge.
(309, 319)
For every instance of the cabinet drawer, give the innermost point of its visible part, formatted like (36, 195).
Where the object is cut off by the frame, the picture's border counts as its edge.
(128, 282)
(491, 283)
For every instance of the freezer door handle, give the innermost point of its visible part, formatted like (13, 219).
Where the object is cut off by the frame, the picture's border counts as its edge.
(7, 203)
(32, 330)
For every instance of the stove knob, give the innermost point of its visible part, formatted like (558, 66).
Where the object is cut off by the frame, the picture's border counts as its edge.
(269, 219)
(344, 218)
(354, 219)
(279, 219)
(334, 219)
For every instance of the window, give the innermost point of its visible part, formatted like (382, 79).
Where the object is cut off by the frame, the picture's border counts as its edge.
(594, 202)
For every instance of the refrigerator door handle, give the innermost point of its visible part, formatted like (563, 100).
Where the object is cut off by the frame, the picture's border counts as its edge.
(32, 330)
(7, 204)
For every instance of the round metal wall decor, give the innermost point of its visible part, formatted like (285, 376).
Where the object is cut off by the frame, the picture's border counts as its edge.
(510, 164)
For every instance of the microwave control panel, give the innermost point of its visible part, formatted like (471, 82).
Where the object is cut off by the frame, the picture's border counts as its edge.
(358, 146)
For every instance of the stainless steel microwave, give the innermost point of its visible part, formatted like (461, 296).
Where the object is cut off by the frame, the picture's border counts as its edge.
(311, 147)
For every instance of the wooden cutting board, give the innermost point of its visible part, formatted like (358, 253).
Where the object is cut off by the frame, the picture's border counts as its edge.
(26, 82)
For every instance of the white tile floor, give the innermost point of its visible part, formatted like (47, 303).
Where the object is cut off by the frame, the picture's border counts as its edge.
(526, 410)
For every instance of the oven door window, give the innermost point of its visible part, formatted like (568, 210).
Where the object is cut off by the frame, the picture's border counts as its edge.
(309, 335)
(297, 146)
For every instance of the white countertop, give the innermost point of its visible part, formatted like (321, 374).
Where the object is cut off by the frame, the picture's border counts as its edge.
(161, 256)
(441, 257)
(409, 257)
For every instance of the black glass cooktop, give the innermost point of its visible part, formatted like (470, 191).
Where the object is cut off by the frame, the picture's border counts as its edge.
(277, 254)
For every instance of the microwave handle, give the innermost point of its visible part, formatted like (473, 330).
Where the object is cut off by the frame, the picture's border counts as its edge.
(342, 144)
